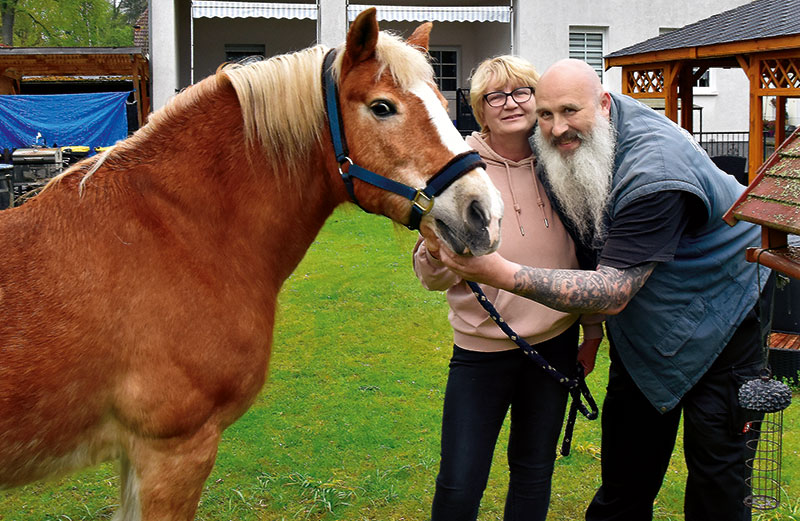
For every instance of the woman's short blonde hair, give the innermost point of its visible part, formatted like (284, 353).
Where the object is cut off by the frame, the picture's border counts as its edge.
(499, 70)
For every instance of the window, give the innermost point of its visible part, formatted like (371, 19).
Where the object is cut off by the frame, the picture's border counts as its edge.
(704, 80)
(587, 46)
(237, 51)
(445, 68)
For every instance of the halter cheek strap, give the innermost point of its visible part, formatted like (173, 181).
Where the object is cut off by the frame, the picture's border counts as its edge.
(422, 199)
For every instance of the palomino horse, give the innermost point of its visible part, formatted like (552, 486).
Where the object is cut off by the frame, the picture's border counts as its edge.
(137, 299)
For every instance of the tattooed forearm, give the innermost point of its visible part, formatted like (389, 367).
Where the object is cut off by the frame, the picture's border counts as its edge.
(606, 290)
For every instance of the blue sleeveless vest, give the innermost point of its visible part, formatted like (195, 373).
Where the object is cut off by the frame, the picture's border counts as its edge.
(681, 319)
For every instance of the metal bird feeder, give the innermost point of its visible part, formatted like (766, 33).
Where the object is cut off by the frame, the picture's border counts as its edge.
(767, 398)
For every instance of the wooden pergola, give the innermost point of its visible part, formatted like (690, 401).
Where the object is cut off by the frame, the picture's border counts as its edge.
(762, 38)
(128, 63)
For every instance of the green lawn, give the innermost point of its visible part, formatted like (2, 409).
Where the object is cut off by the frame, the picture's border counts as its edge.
(347, 427)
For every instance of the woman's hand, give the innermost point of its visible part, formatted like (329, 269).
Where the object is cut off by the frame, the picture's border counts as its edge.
(587, 354)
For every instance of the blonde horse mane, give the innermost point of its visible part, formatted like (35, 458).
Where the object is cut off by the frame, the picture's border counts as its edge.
(281, 100)
(288, 89)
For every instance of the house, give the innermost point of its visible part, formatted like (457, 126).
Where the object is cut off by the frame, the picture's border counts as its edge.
(761, 39)
(189, 39)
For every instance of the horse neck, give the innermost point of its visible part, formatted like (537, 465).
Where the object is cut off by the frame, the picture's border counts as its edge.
(238, 200)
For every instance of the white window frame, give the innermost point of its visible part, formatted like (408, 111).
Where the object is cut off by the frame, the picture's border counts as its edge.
(582, 54)
(457, 50)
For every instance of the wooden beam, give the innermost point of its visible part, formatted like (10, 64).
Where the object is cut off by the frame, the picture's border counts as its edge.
(789, 43)
(774, 260)
(671, 91)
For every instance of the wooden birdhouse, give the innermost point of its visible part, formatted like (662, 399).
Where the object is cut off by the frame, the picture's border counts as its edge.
(773, 201)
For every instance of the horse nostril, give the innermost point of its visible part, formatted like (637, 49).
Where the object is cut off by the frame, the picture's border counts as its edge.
(477, 217)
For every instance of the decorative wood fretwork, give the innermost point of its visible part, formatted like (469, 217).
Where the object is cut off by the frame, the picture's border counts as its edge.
(644, 82)
(780, 73)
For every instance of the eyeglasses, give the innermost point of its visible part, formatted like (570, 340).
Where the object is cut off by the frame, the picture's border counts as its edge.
(499, 98)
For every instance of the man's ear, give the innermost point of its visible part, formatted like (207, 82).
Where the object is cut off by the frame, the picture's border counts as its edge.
(605, 104)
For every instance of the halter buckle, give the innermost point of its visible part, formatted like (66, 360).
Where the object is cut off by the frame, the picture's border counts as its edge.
(423, 202)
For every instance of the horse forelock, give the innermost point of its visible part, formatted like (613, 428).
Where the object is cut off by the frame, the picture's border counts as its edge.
(408, 65)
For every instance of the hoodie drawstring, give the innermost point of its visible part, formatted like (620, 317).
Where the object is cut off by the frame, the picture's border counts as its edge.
(538, 195)
(517, 208)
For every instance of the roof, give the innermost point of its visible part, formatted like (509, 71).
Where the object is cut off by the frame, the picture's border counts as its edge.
(773, 198)
(141, 31)
(86, 61)
(756, 20)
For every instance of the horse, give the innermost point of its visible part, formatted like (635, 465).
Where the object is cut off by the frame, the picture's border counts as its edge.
(138, 295)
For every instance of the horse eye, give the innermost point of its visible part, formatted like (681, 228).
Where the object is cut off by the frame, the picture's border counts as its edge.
(383, 108)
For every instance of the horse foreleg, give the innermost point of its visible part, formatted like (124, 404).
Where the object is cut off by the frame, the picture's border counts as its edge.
(164, 478)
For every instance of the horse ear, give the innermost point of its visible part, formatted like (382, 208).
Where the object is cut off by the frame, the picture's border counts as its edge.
(421, 36)
(361, 38)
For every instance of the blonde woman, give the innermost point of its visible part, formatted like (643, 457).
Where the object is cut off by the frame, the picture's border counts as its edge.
(488, 373)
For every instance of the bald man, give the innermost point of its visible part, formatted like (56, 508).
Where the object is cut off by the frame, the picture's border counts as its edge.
(642, 196)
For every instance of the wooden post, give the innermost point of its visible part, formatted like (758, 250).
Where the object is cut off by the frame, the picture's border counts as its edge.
(686, 82)
(671, 91)
(756, 146)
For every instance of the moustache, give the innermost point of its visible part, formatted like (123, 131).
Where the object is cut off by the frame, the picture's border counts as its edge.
(566, 137)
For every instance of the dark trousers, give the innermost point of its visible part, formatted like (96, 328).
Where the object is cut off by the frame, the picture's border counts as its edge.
(480, 389)
(637, 440)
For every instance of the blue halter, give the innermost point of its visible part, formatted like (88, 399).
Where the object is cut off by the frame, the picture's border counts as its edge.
(422, 199)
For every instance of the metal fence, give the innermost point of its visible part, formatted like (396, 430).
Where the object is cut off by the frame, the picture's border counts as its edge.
(724, 143)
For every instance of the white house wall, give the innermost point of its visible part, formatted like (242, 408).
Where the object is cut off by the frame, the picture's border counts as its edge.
(540, 33)
(543, 37)
(277, 37)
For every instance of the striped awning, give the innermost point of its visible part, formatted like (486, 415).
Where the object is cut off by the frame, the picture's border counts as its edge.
(400, 13)
(221, 9)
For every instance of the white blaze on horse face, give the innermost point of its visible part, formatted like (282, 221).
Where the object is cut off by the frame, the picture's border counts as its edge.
(454, 210)
(447, 131)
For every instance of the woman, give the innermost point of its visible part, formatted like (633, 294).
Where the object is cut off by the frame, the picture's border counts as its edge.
(488, 372)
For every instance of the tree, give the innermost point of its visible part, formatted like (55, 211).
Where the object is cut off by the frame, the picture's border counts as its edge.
(8, 9)
(70, 23)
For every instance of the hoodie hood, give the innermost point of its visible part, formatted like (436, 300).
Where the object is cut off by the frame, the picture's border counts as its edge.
(478, 142)
(515, 172)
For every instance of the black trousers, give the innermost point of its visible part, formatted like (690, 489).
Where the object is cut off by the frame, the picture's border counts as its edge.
(481, 387)
(638, 440)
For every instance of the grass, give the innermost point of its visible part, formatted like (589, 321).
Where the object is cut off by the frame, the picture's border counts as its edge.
(347, 427)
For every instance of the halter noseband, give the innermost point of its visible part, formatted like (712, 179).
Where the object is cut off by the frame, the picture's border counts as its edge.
(422, 199)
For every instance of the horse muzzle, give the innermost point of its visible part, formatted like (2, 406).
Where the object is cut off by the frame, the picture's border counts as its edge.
(467, 215)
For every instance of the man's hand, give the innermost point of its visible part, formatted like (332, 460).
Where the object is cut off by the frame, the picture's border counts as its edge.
(491, 269)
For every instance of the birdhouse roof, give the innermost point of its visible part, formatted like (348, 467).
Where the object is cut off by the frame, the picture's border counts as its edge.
(773, 198)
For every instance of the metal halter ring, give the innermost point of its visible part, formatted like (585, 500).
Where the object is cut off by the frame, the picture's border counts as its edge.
(348, 160)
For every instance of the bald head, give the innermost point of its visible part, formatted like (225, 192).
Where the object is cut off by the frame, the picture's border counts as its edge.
(571, 75)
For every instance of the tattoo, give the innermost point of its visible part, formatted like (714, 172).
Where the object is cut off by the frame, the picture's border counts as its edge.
(606, 290)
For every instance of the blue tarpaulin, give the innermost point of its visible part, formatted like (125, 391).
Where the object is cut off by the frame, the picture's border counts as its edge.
(93, 119)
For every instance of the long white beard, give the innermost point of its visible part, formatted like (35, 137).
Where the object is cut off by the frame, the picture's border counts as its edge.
(581, 181)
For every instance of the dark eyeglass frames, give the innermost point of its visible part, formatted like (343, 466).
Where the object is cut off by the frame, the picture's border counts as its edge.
(499, 98)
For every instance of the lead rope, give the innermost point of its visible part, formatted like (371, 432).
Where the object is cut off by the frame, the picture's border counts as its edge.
(576, 386)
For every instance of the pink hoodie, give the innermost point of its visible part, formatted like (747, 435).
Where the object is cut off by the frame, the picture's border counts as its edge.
(532, 235)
